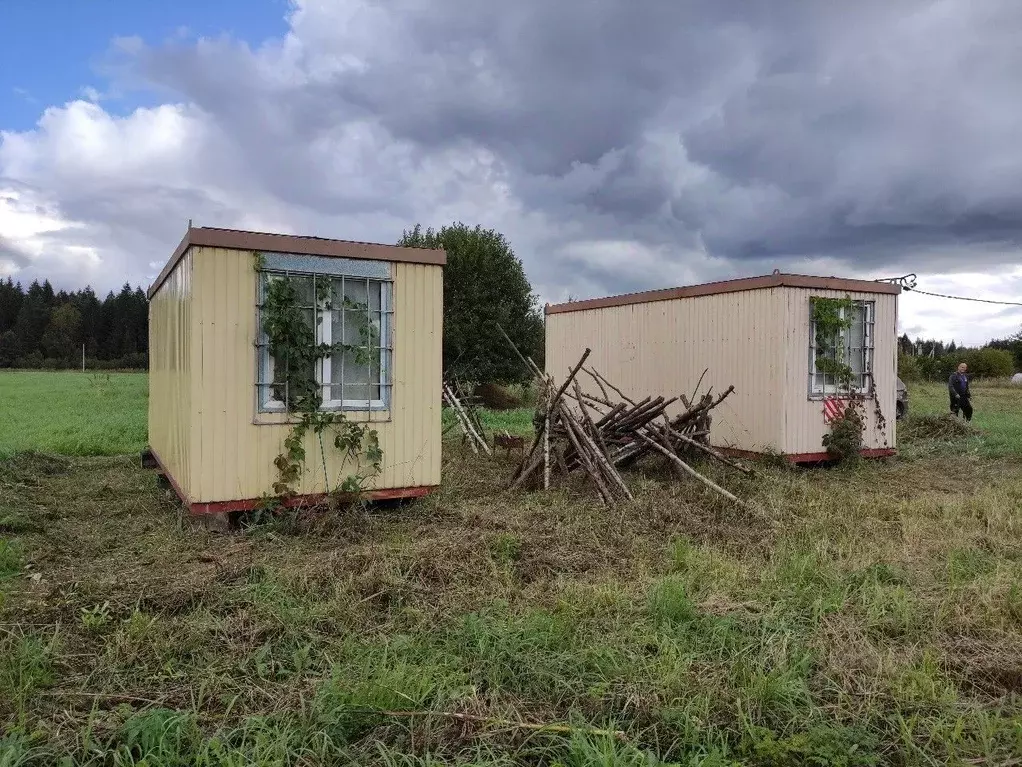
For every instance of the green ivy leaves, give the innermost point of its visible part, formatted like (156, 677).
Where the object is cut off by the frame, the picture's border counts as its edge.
(292, 341)
(832, 318)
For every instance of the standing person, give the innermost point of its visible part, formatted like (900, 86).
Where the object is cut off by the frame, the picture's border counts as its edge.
(958, 390)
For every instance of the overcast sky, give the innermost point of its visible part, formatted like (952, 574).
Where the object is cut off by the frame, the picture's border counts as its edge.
(620, 146)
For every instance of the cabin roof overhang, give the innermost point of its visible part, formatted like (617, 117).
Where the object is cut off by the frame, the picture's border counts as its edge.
(237, 239)
(775, 280)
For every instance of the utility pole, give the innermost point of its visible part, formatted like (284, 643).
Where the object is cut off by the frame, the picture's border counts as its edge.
(83, 358)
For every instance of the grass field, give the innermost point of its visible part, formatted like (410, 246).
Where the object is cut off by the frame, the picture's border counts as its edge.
(73, 413)
(859, 616)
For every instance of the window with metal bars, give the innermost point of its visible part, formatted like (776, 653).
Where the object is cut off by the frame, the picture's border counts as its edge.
(354, 311)
(856, 350)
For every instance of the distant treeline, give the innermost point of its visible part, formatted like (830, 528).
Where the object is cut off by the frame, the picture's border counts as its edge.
(935, 360)
(43, 329)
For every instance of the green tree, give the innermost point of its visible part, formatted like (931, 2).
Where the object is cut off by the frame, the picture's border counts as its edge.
(484, 285)
(60, 341)
(1012, 344)
(8, 349)
(33, 317)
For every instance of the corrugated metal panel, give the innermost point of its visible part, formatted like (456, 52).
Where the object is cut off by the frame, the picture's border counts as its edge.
(170, 364)
(662, 348)
(804, 424)
(235, 447)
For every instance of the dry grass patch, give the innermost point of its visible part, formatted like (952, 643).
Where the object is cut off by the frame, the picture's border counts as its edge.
(855, 617)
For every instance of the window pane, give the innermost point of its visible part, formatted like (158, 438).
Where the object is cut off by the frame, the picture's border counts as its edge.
(355, 292)
(354, 327)
(357, 375)
(336, 293)
(856, 341)
(305, 290)
(375, 289)
(337, 390)
(376, 339)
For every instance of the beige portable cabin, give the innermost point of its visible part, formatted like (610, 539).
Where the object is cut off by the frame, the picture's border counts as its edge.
(216, 422)
(756, 334)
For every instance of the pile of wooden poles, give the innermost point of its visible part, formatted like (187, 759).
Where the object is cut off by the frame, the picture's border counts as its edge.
(466, 416)
(576, 430)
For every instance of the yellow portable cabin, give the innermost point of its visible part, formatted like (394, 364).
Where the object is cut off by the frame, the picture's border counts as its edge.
(757, 334)
(218, 410)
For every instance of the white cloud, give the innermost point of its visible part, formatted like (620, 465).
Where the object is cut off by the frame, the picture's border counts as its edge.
(692, 157)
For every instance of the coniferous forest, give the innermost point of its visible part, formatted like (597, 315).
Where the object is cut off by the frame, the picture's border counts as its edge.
(40, 328)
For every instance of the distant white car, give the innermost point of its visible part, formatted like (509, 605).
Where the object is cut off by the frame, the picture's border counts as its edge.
(1017, 379)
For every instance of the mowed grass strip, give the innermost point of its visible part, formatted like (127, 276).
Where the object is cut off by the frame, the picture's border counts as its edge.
(73, 413)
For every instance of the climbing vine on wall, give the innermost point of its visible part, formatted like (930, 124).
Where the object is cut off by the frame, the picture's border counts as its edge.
(833, 318)
(293, 346)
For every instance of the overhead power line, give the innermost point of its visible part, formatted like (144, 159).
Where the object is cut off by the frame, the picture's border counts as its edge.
(908, 283)
(966, 298)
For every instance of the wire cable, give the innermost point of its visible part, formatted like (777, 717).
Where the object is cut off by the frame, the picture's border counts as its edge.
(965, 298)
(908, 283)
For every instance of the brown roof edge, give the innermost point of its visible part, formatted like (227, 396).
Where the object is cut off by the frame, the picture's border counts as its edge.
(776, 280)
(236, 239)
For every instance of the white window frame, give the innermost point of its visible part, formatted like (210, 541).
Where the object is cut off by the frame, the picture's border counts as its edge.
(324, 335)
(827, 388)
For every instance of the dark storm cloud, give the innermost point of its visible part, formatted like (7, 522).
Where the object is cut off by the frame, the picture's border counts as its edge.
(704, 138)
(849, 130)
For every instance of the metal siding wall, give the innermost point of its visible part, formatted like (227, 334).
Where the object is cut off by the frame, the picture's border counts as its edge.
(662, 347)
(235, 455)
(803, 418)
(170, 313)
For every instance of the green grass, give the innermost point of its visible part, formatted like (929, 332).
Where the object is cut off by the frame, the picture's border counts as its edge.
(851, 616)
(997, 414)
(73, 413)
(516, 421)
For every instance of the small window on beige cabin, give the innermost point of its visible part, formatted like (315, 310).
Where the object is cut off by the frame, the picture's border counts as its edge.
(855, 349)
(351, 313)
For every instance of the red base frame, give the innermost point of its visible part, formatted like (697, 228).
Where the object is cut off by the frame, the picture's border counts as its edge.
(250, 504)
(880, 452)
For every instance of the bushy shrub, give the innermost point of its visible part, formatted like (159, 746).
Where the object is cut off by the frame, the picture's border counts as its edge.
(909, 368)
(844, 442)
(983, 363)
(496, 397)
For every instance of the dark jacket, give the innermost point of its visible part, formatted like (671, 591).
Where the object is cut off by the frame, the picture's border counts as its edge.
(958, 386)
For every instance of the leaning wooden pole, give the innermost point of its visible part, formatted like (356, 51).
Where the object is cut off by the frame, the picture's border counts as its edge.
(546, 446)
(458, 409)
(460, 421)
(688, 469)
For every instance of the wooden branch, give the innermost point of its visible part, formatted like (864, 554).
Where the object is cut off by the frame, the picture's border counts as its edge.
(527, 360)
(467, 422)
(546, 449)
(585, 461)
(602, 460)
(710, 451)
(461, 422)
(600, 384)
(680, 464)
(526, 470)
(692, 412)
(696, 390)
(571, 377)
(589, 421)
(596, 375)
